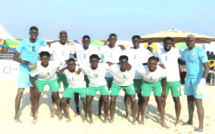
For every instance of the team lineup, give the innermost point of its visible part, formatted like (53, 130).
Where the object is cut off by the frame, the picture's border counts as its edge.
(109, 69)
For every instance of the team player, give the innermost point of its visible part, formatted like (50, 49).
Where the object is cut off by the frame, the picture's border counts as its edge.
(154, 79)
(82, 53)
(123, 75)
(138, 55)
(46, 75)
(28, 49)
(168, 57)
(110, 54)
(61, 51)
(75, 79)
(96, 74)
(195, 84)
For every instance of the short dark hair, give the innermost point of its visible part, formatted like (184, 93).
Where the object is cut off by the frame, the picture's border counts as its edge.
(34, 28)
(113, 34)
(123, 57)
(62, 32)
(86, 36)
(45, 53)
(71, 59)
(136, 36)
(94, 56)
(168, 38)
(153, 58)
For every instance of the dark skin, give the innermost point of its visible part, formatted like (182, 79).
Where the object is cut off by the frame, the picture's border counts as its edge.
(94, 65)
(124, 65)
(86, 42)
(33, 36)
(152, 65)
(190, 41)
(37, 94)
(64, 102)
(168, 44)
(136, 45)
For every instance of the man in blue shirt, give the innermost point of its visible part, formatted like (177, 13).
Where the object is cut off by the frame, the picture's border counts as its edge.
(29, 49)
(195, 84)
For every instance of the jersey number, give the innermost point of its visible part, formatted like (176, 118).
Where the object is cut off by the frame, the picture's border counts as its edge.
(33, 48)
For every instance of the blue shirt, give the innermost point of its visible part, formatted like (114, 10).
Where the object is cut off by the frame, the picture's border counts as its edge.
(29, 51)
(194, 59)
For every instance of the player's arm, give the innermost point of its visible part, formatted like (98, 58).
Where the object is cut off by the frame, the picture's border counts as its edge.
(17, 59)
(50, 42)
(2, 49)
(62, 69)
(206, 70)
(163, 83)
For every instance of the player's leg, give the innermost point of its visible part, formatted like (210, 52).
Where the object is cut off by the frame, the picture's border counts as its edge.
(114, 93)
(17, 104)
(190, 100)
(83, 94)
(89, 107)
(176, 93)
(126, 104)
(65, 108)
(36, 105)
(91, 92)
(146, 89)
(55, 91)
(68, 94)
(139, 103)
(157, 93)
(105, 97)
(130, 91)
(137, 85)
(84, 102)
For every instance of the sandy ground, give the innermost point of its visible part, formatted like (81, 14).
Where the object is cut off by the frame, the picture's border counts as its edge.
(121, 125)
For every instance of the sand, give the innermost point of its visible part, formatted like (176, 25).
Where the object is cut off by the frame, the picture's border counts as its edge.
(121, 125)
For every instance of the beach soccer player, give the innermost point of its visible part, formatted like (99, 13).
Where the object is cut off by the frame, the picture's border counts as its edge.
(82, 53)
(61, 51)
(123, 75)
(96, 74)
(28, 49)
(75, 79)
(110, 54)
(154, 79)
(168, 57)
(45, 74)
(195, 84)
(138, 55)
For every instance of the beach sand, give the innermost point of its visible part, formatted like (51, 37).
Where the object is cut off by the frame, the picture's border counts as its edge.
(121, 125)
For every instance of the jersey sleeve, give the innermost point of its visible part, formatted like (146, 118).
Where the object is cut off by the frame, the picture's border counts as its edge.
(182, 56)
(20, 47)
(163, 74)
(72, 50)
(202, 56)
(43, 43)
(111, 69)
(141, 69)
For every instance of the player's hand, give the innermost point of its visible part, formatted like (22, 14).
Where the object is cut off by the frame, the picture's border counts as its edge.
(200, 86)
(122, 47)
(78, 72)
(32, 66)
(162, 66)
(129, 67)
(163, 95)
(109, 63)
(25, 62)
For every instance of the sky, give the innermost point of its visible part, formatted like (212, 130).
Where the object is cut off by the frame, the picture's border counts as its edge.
(99, 18)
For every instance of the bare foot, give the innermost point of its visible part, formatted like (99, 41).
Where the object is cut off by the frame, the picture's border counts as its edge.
(60, 117)
(112, 121)
(163, 124)
(134, 122)
(105, 120)
(188, 123)
(142, 122)
(176, 123)
(91, 121)
(68, 119)
(34, 121)
(52, 114)
(17, 120)
(199, 129)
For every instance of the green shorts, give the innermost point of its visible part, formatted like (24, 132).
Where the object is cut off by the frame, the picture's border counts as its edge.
(147, 87)
(61, 78)
(53, 85)
(70, 92)
(137, 85)
(86, 79)
(129, 90)
(109, 81)
(175, 88)
(92, 90)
